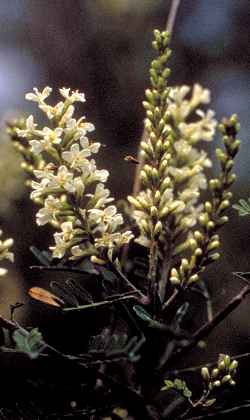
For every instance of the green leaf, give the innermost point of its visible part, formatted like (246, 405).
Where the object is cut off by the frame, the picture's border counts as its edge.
(30, 343)
(187, 392)
(243, 207)
(179, 385)
(168, 385)
(142, 313)
(210, 402)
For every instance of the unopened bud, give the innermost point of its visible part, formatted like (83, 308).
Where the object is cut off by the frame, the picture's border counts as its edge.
(226, 379)
(205, 373)
(97, 260)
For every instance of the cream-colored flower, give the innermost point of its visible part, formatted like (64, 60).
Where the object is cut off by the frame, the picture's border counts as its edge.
(48, 212)
(61, 246)
(91, 147)
(76, 157)
(63, 179)
(39, 188)
(75, 96)
(38, 96)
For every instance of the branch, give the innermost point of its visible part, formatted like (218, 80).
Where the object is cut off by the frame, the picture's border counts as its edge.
(221, 315)
(221, 412)
(208, 327)
(176, 372)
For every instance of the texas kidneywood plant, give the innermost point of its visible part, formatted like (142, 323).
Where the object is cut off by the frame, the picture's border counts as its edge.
(144, 292)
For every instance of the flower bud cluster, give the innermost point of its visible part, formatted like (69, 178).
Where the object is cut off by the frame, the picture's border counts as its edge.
(5, 253)
(169, 209)
(69, 186)
(204, 242)
(223, 374)
(173, 174)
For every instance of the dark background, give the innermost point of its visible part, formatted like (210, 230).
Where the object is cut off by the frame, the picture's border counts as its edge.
(103, 47)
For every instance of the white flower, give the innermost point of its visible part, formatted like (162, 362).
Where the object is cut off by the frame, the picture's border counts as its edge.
(30, 128)
(52, 136)
(38, 96)
(85, 127)
(60, 246)
(65, 92)
(203, 129)
(39, 188)
(100, 175)
(36, 146)
(199, 96)
(47, 213)
(106, 219)
(78, 186)
(52, 111)
(76, 157)
(63, 179)
(45, 172)
(101, 196)
(67, 231)
(178, 93)
(67, 116)
(91, 147)
(112, 240)
(75, 96)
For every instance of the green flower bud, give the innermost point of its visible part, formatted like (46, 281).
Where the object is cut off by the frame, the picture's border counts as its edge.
(155, 176)
(198, 252)
(208, 206)
(153, 138)
(224, 205)
(221, 365)
(147, 105)
(135, 202)
(210, 225)
(213, 245)
(233, 365)
(144, 178)
(198, 236)
(217, 384)
(192, 243)
(193, 279)
(205, 374)
(149, 95)
(157, 229)
(164, 212)
(154, 212)
(226, 379)
(227, 360)
(215, 373)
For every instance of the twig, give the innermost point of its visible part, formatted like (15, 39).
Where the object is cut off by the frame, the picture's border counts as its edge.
(207, 297)
(221, 412)
(206, 329)
(97, 304)
(49, 268)
(169, 27)
(199, 367)
(144, 298)
(221, 315)
(172, 16)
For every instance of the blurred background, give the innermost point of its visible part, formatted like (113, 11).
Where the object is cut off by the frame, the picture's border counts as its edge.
(103, 47)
